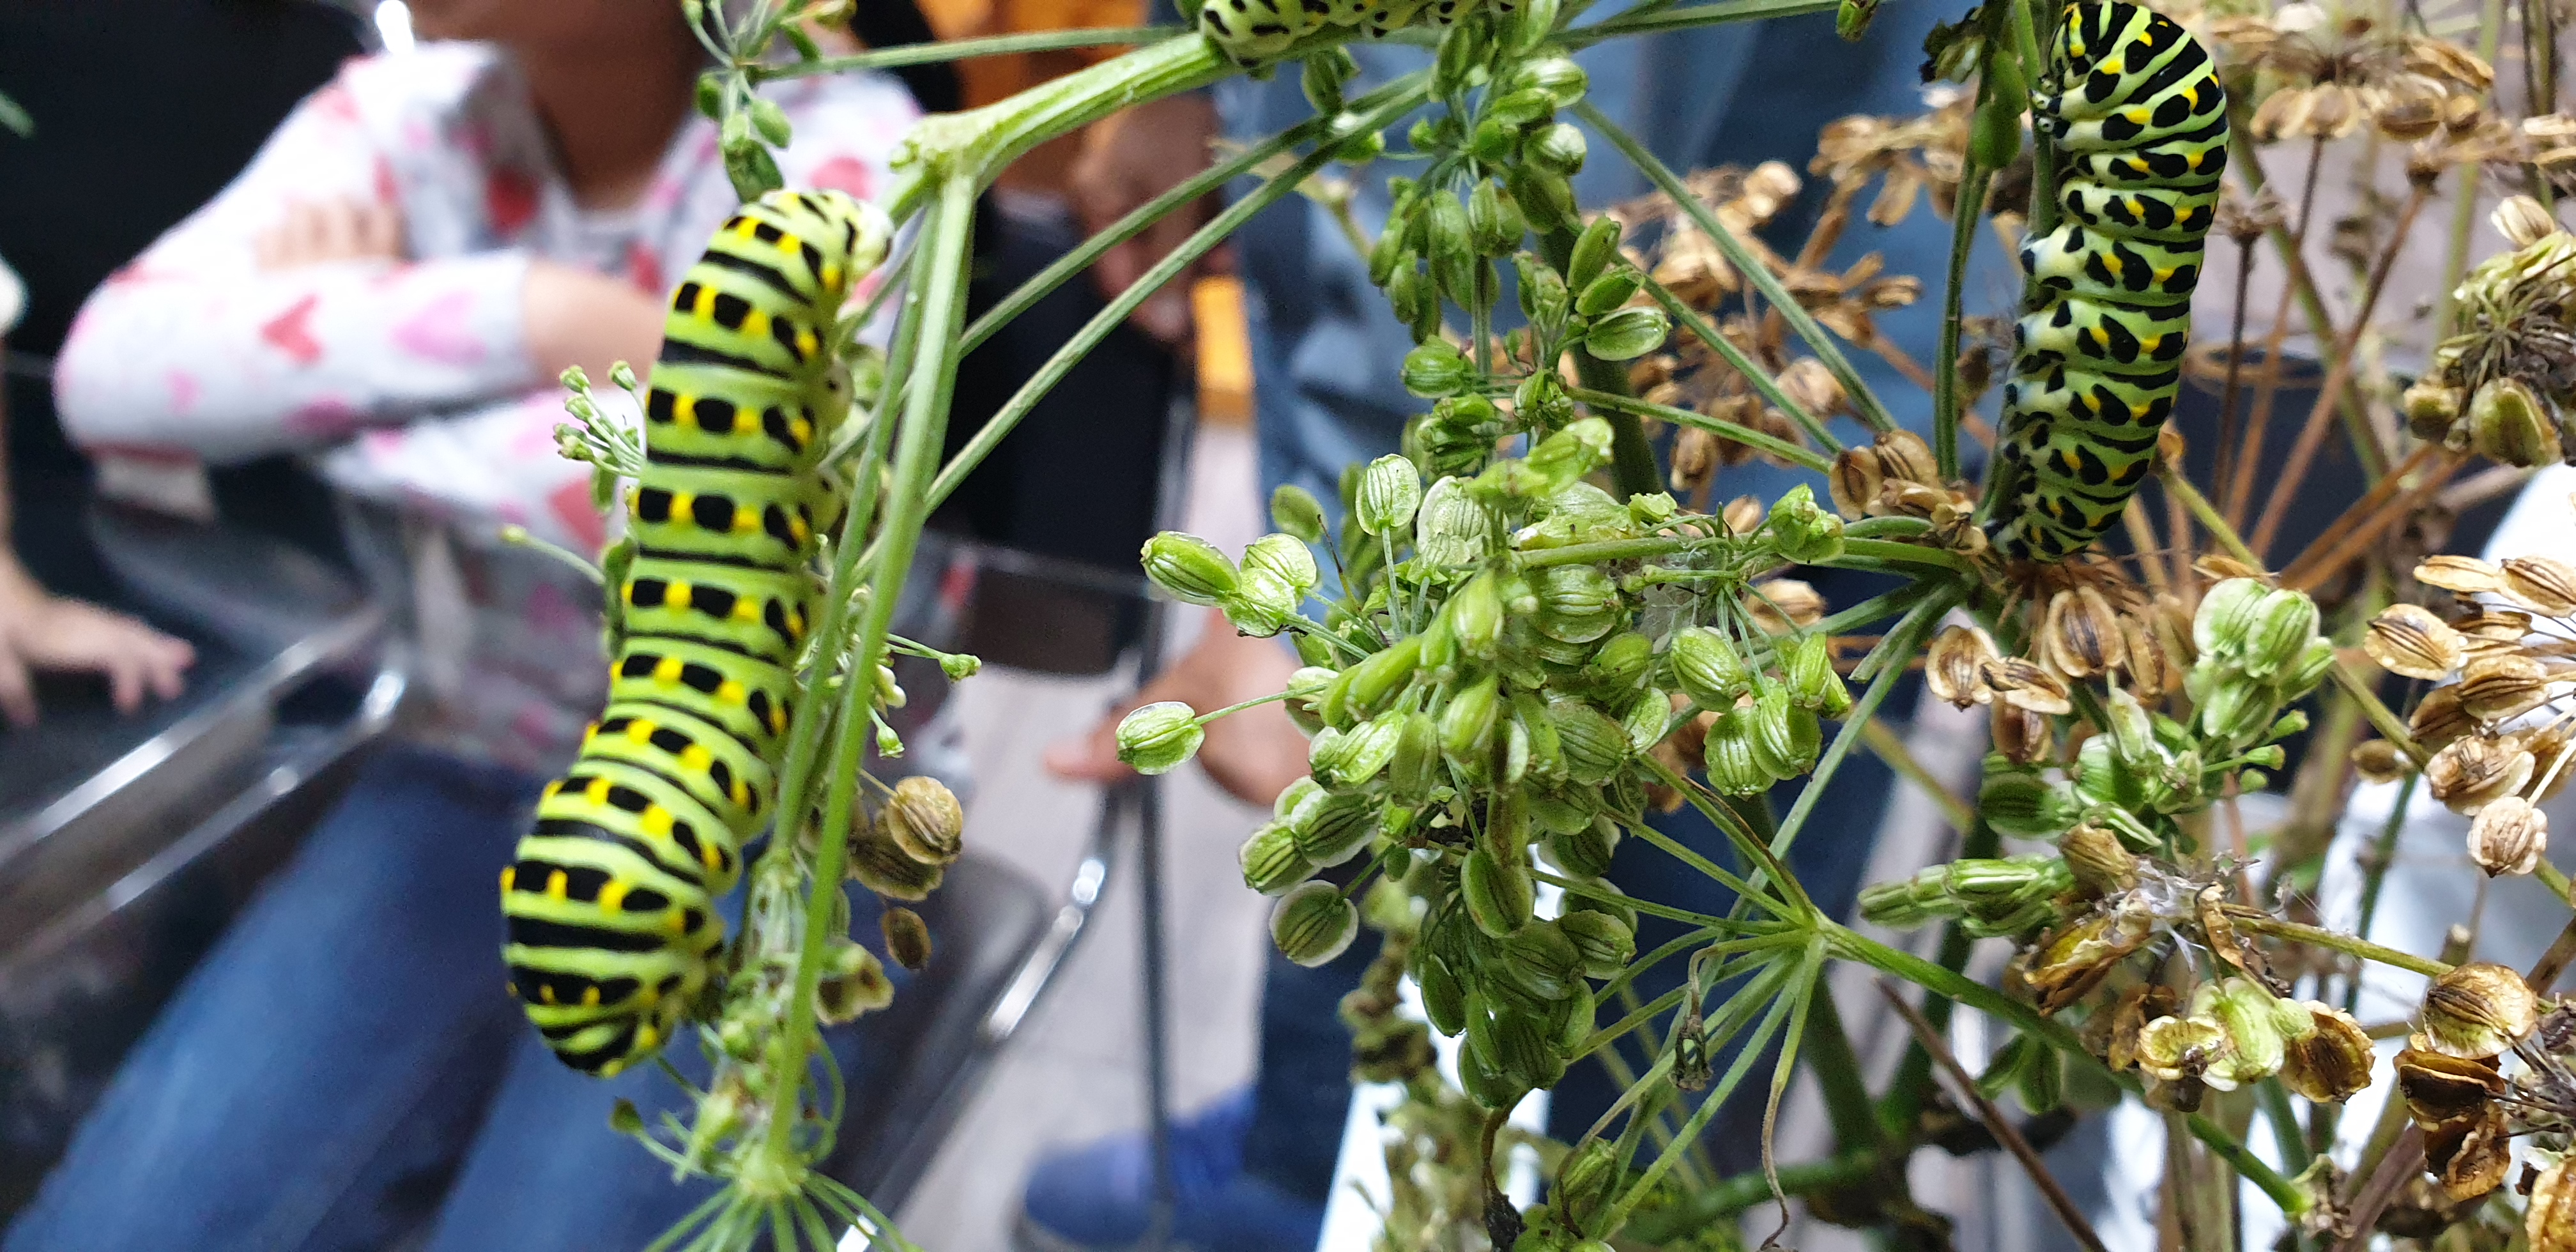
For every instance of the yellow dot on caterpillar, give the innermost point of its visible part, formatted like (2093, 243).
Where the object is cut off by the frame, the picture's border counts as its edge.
(676, 921)
(640, 731)
(695, 758)
(731, 692)
(684, 412)
(741, 793)
(509, 875)
(831, 275)
(2164, 275)
(797, 530)
(612, 896)
(545, 993)
(647, 1037)
(667, 670)
(655, 821)
(677, 597)
(683, 512)
(2101, 337)
(756, 324)
(746, 609)
(747, 227)
(745, 521)
(705, 306)
(800, 429)
(590, 996)
(597, 792)
(806, 343)
(556, 883)
(713, 859)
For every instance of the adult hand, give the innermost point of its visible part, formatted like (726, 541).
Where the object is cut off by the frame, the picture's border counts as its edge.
(1126, 161)
(318, 232)
(576, 317)
(1254, 754)
(42, 631)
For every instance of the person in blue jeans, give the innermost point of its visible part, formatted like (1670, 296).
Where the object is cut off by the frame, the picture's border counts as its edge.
(1253, 1169)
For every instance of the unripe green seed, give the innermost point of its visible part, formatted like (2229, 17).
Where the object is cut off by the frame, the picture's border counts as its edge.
(1812, 682)
(2224, 624)
(1324, 75)
(1558, 76)
(1295, 511)
(1157, 737)
(1347, 759)
(1270, 860)
(1569, 454)
(1476, 616)
(1368, 685)
(1531, 26)
(1558, 149)
(771, 121)
(1520, 1048)
(1498, 896)
(1443, 1000)
(1467, 724)
(1585, 853)
(1263, 603)
(1786, 738)
(1593, 252)
(1312, 924)
(1453, 527)
(1445, 224)
(1283, 558)
(1483, 1079)
(1803, 531)
(1621, 663)
(1627, 334)
(1608, 292)
(1557, 813)
(1708, 669)
(1645, 719)
(1305, 687)
(1331, 829)
(1584, 1183)
(1615, 906)
(1189, 569)
(1601, 941)
(1577, 603)
(1435, 369)
(1732, 767)
(1390, 491)
(2015, 802)
(1391, 252)
(1417, 767)
(1594, 746)
(1494, 227)
(1540, 959)
(1546, 199)
(1490, 142)
(2284, 622)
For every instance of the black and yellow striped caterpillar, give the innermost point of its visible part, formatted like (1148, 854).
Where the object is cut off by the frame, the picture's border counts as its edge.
(611, 902)
(2140, 123)
(1257, 30)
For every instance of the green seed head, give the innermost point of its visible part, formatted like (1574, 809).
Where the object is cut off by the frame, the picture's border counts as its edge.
(1390, 491)
(1708, 669)
(1294, 510)
(1312, 924)
(1189, 569)
(1270, 860)
(1156, 738)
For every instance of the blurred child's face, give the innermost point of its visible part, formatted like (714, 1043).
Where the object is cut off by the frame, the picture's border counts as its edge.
(535, 21)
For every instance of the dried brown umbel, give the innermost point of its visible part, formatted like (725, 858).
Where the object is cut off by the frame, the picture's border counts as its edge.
(1954, 666)
(2408, 639)
(2476, 1011)
(2474, 771)
(2331, 1062)
(2509, 837)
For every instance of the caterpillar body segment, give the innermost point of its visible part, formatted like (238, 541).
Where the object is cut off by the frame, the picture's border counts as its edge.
(611, 901)
(2140, 123)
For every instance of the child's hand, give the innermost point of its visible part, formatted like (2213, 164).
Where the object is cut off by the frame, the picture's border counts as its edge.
(339, 229)
(42, 631)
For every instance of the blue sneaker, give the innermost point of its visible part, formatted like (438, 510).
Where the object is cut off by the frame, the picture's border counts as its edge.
(1099, 1196)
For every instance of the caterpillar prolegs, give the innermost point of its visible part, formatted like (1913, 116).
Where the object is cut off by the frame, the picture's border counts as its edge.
(611, 901)
(2140, 123)
(1257, 30)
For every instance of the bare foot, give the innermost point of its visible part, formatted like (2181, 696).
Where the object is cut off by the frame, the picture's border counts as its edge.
(1254, 754)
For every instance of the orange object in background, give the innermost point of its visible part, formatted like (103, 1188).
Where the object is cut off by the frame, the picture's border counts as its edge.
(1225, 351)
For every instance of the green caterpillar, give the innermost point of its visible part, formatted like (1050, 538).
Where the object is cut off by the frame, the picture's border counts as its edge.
(2141, 128)
(1251, 31)
(611, 900)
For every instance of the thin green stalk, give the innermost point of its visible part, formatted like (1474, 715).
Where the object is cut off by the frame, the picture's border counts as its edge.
(1851, 945)
(940, 309)
(1903, 1103)
(1115, 314)
(2286, 1131)
(1881, 554)
(963, 49)
(1907, 634)
(1733, 1195)
(2382, 719)
(1766, 989)
(1748, 843)
(2254, 1169)
(2349, 945)
(1687, 17)
(1632, 460)
(2382, 855)
(1746, 435)
(2179, 484)
(1817, 338)
(2043, 186)
(2243, 159)
(1965, 213)
(1643, 548)
(1687, 318)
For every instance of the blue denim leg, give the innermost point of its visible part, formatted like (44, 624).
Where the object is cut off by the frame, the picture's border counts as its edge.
(324, 1047)
(547, 1175)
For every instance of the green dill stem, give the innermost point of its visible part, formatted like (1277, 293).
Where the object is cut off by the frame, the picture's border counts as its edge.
(2254, 1169)
(1748, 844)
(965, 49)
(1666, 18)
(1688, 318)
(1771, 445)
(1765, 988)
(940, 309)
(2320, 937)
(1733, 1195)
(1817, 338)
(1903, 1103)
(2382, 854)
(1964, 215)
(2043, 186)
(1585, 890)
(2286, 1133)
(1632, 459)
(2390, 726)
(1851, 945)
(1898, 642)
(1881, 554)
(2551, 877)
(2179, 484)
(1640, 549)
